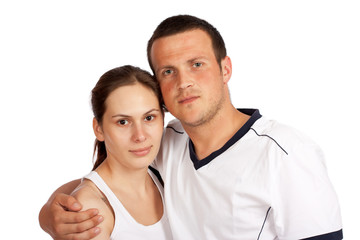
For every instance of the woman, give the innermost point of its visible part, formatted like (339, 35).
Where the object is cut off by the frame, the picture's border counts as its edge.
(128, 124)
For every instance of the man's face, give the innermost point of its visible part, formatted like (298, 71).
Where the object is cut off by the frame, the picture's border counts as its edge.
(192, 84)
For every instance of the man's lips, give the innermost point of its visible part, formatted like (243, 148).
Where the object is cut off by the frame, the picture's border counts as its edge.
(141, 151)
(188, 99)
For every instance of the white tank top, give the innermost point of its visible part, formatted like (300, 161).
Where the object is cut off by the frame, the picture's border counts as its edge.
(125, 226)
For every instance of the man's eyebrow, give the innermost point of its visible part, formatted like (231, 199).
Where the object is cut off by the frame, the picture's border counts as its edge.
(197, 58)
(194, 59)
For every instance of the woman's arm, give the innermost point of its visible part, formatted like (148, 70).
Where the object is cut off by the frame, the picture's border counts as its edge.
(60, 217)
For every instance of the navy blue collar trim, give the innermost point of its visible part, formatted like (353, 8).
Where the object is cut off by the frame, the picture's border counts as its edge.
(255, 115)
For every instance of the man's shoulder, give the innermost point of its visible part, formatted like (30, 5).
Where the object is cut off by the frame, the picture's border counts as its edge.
(174, 127)
(174, 134)
(286, 135)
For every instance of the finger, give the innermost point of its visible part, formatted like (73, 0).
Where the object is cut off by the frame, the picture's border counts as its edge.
(68, 202)
(89, 234)
(85, 226)
(78, 217)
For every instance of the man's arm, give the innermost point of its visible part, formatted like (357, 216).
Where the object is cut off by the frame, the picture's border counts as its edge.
(60, 217)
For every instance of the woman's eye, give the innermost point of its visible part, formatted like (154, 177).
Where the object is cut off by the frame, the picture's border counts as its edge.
(197, 64)
(123, 122)
(149, 118)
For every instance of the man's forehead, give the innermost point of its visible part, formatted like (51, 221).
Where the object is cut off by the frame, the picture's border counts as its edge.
(187, 34)
(194, 40)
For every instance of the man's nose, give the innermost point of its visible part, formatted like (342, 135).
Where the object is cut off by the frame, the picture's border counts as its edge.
(184, 80)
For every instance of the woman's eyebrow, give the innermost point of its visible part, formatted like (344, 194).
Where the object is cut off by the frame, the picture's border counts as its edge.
(127, 116)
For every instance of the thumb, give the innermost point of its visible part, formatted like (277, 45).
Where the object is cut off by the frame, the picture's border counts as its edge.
(68, 202)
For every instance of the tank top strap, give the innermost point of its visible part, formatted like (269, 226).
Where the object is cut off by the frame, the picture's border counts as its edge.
(125, 226)
(115, 203)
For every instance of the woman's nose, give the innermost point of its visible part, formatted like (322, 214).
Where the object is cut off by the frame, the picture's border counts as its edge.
(139, 133)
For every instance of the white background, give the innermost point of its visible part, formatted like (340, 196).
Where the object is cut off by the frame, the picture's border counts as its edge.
(297, 61)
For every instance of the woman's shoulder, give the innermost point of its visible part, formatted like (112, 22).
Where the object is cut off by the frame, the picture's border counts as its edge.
(91, 197)
(87, 192)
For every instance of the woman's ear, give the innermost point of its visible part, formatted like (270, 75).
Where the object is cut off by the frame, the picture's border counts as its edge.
(98, 130)
(226, 69)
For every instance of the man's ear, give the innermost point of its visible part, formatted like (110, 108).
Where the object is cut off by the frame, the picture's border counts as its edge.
(226, 69)
(98, 130)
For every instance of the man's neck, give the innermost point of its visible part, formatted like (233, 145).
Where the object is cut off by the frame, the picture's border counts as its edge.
(213, 135)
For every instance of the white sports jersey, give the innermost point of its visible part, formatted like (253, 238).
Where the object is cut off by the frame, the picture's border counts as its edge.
(267, 182)
(125, 226)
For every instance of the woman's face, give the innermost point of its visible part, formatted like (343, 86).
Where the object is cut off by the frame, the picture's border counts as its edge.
(132, 126)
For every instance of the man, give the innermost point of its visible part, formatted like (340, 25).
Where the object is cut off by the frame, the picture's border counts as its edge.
(228, 173)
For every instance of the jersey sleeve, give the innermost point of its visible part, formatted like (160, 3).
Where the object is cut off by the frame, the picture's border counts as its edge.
(305, 204)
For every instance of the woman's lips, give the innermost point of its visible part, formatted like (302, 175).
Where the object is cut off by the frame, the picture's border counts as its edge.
(140, 152)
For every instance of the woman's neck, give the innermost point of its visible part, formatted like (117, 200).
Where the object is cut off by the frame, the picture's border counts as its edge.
(121, 178)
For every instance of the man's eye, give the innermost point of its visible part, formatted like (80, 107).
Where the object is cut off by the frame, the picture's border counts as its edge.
(167, 72)
(149, 118)
(123, 122)
(197, 64)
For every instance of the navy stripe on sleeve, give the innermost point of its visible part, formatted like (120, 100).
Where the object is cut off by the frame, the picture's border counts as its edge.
(338, 235)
